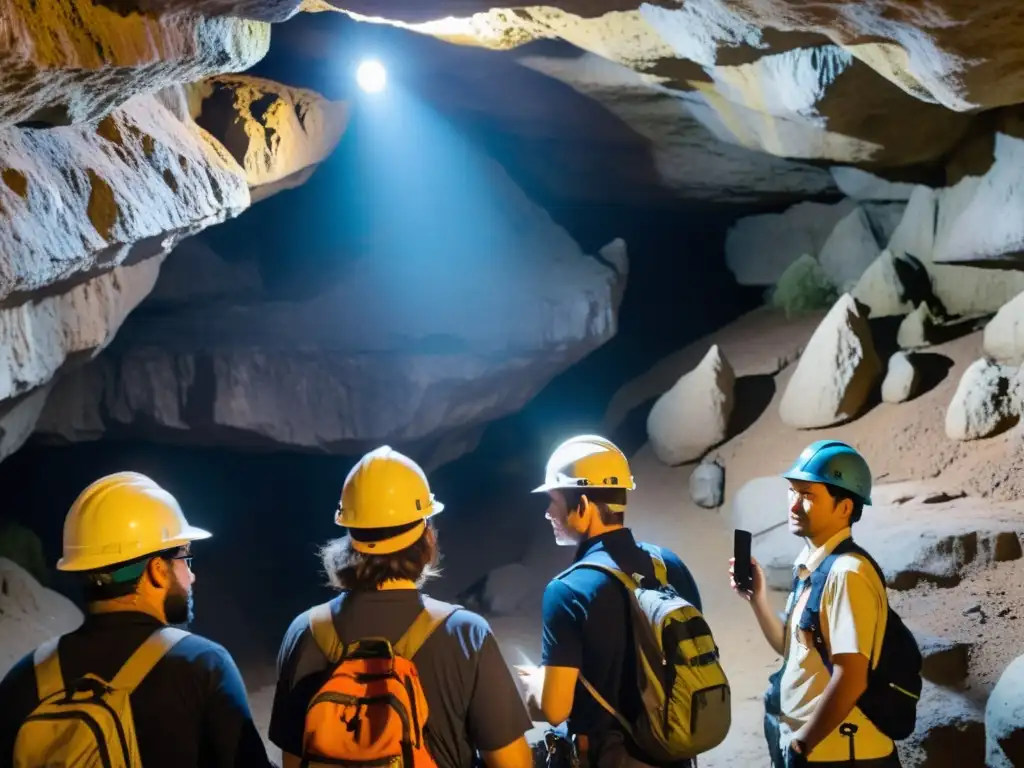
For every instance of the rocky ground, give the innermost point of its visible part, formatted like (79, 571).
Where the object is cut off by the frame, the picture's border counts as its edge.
(946, 526)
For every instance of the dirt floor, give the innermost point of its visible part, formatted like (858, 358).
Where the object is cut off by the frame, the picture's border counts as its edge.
(904, 443)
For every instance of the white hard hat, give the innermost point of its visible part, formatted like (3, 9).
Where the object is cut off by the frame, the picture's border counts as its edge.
(122, 517)
(587, 461)
(386, 489)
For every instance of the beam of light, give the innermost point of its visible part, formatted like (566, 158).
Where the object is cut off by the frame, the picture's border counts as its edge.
(371, 76)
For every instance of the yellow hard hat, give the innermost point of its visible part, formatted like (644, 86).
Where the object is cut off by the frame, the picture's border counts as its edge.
(587, 461)
(121, 517)
(386, 491)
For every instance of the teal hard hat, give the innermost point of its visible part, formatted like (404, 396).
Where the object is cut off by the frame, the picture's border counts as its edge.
(834, 463)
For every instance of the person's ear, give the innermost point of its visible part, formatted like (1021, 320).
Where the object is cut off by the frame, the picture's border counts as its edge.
(583, 511)
(158, 571)
(845, 509)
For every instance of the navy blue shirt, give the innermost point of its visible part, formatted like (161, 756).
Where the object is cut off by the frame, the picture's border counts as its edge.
(190, 710)
(587, 625)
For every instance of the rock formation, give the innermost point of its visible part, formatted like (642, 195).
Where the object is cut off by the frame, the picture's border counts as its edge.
(901, 379)
(836, 372)
(1004, 719)
(400, 347)
(707, 484)
(30, 614)
(1004, 333)
(693, 416)
(984, 403)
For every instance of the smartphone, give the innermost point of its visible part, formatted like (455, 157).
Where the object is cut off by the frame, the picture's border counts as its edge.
(743, 573)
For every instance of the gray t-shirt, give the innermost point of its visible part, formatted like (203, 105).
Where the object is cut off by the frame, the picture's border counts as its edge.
(474, 704)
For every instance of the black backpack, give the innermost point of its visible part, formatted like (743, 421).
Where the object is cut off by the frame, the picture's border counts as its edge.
(894, 686)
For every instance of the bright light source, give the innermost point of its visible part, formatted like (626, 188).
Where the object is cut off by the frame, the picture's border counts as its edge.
(371, 76)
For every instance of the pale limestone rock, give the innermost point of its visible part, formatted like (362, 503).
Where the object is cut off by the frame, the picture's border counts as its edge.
(691, 153)
(900, 379)
(1004, 333)
(916, 329)
(250, 369)
(985, 218)
(30, 614)
(77, 199)
(835, 374)
(693, 416)
(880, 289)
(615, 254)
(273, 131)
(862, 185)
(758, 249)
(72, 61)
(38, 337)
(1004, 719)
(850, 249)
(18, 419)
(707, 484)
(984, 401)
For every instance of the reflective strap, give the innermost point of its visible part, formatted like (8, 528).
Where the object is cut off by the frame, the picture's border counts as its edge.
(49, 679)
(605, 705)
(146, 657)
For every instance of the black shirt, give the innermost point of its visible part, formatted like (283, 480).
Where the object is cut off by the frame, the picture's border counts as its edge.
(190, 710)
(472, 700)
(587, 625)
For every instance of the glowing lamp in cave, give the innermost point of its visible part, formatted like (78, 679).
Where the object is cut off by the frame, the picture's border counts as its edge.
(371, 76)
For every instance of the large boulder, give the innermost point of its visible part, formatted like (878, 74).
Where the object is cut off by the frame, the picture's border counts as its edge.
(950, 731)
(985, 401)
(397, 345)
(693, 416)
(1004, 719)
(856, 241)
(30, 614)
(861, 185)
(1004, 333)
(836, 373)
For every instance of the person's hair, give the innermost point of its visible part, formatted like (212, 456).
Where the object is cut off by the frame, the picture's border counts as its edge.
(119, 580)
(349, 569)
(840, 494)
(600, 498)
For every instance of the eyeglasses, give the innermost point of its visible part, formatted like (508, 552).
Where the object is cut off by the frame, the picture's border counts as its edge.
(187, 558)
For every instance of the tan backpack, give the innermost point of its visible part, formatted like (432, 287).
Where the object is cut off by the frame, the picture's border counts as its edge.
(87, 723)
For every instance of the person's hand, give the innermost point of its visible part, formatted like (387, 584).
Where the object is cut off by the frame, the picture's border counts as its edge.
(796, 756)
(758, 586)
(532, 680)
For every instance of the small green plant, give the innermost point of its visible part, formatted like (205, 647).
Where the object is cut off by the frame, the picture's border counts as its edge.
(803, 288)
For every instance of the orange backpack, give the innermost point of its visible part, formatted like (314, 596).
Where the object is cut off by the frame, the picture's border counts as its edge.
(371, 711)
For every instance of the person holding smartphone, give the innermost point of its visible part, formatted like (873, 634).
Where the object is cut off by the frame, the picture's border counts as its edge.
(811, 708)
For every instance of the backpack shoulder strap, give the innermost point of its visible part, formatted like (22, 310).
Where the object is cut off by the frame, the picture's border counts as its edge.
(146, 657)
(46, 662)
(810, 619)
(658, 560)
(434, 614)
(621, 576)
(325, 634)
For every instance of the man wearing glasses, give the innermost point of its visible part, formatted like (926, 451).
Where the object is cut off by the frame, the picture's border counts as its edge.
(127, 540)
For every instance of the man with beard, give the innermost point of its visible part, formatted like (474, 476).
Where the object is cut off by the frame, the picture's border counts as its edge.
(128, 541)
